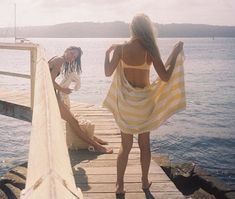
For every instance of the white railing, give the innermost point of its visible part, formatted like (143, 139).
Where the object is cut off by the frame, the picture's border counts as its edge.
(23, 46)
(49, 173)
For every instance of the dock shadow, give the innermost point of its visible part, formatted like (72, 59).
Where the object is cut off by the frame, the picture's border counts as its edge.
(80, 176)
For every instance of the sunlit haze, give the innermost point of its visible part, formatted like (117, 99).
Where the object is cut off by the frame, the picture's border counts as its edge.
(49, 12)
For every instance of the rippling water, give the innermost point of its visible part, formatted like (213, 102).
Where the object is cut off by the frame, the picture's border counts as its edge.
(204, 133)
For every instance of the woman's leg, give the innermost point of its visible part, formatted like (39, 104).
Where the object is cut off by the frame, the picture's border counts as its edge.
(102, 142)
(145, 157)
(68, 116)
(122, 159)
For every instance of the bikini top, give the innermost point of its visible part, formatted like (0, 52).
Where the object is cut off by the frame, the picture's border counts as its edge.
(144, 66)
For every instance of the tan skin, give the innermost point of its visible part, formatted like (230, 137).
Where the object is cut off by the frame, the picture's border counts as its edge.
(134, 54)
(56, 63)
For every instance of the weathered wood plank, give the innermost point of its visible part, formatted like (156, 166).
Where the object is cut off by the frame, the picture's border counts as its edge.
(26, 76)
(84, 155)
(16, 111)
(111, 178)
(133, 187)
(15, 97)
(17, 46)
(158, 195)
(105, 163)
(112, 170)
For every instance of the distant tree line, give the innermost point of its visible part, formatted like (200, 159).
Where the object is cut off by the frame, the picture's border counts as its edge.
(116, 30)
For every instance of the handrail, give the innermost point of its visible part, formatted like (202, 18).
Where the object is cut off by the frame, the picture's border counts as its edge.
(15, 74)
(23, 46)
(49, 174)
(17, 46)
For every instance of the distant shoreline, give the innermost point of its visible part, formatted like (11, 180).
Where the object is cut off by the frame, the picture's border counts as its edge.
(116, 30)
(28, 38)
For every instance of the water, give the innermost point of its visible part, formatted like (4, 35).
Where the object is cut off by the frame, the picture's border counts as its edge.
(203, 133)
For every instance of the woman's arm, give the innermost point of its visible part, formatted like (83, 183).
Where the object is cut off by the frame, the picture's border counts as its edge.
(110, 66)
(54, 72)
(162, 70)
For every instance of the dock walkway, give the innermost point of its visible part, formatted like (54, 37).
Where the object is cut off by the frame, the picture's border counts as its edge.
(95, 174)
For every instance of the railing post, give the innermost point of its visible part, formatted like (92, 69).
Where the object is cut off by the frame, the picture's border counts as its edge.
(33, 58)
(49, 173)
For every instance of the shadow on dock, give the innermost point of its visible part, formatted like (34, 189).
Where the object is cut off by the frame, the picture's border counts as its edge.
(77, 157)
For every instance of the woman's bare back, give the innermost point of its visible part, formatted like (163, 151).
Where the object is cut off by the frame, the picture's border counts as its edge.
(135, 55)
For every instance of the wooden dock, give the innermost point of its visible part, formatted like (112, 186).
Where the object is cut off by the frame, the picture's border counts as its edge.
(95, 174)
(55, 173)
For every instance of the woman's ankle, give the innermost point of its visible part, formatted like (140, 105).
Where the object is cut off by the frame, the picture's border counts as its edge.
(120, 187)
(145, 182)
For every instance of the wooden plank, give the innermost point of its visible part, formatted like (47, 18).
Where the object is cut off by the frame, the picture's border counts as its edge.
(132, 187)
(16, 111)
(112, 170)
(33, 64)
(18, 46)
(105, 163)
(158, 195)
(84, 155)
(15, 74)
(15, 97)
(111, 178)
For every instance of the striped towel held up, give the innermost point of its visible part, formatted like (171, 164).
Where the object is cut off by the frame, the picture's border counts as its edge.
(139, 110)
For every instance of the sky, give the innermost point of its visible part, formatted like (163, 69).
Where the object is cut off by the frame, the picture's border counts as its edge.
(50, 12)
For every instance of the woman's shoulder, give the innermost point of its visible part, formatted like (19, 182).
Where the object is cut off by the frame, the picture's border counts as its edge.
(56, 60)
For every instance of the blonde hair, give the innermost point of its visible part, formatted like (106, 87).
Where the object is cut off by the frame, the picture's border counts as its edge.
(142, 28)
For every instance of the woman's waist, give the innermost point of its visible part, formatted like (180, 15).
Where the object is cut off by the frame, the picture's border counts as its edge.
(138, 83)
(139, 80)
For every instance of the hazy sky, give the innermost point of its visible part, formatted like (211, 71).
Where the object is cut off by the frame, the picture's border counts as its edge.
(47, 12)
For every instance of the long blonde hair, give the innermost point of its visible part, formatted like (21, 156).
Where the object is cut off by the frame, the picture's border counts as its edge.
(142, 29)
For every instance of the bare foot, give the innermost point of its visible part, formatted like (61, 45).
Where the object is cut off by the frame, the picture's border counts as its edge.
(100, 141)
(120, 188)
(101, 149)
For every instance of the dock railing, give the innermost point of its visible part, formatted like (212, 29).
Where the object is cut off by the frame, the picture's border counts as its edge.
(49, 173)
(32, 48)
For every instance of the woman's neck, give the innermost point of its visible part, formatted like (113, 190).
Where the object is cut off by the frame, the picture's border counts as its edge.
(133, 39)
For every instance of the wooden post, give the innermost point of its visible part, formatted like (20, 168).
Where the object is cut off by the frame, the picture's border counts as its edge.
(49, 174)
(33, 58)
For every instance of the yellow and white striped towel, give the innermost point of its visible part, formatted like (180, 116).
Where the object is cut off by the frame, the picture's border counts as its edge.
(139, 110)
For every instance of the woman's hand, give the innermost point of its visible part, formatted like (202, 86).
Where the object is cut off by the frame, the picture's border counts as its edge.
(179, 47)
(66, 90)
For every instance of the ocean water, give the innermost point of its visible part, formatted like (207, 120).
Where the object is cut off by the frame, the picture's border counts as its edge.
(204, 133)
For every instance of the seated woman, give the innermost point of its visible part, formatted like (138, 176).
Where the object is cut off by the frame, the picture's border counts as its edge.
(70, 62)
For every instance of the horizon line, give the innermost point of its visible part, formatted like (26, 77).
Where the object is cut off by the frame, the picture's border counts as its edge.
(24, 26)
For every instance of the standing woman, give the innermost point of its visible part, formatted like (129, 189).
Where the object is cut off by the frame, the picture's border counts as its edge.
(131, 94)
(70, 62)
